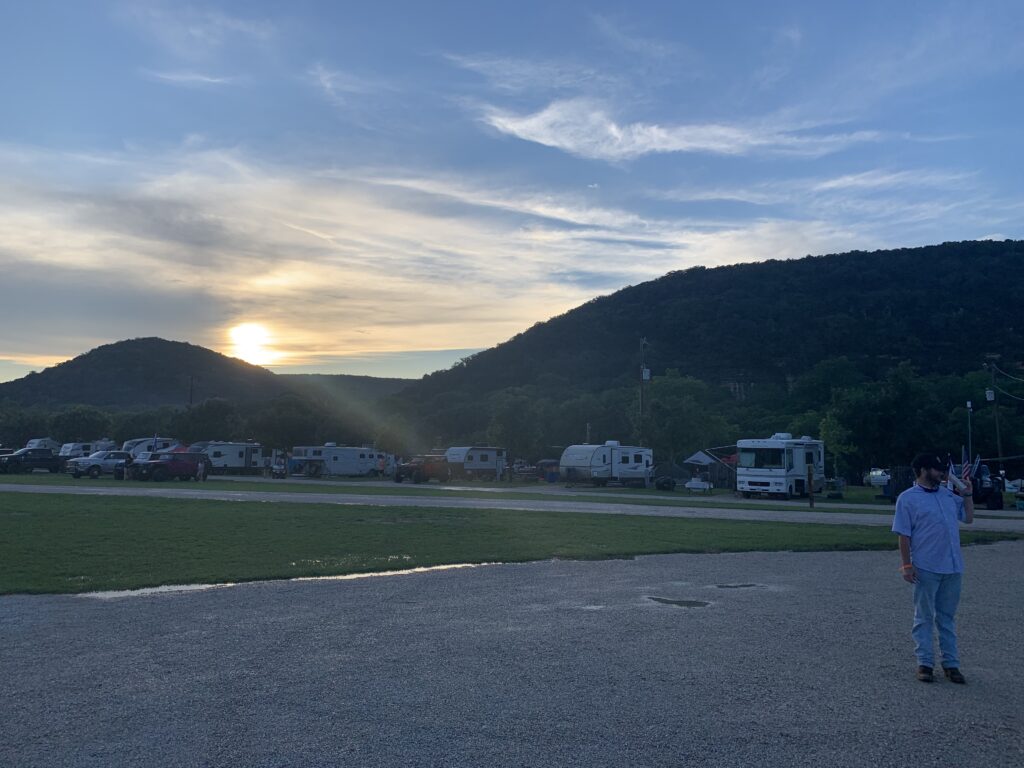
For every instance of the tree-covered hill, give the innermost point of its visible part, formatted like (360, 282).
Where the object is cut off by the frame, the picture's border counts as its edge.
(876, 351)
(152, 372)
(938, 307)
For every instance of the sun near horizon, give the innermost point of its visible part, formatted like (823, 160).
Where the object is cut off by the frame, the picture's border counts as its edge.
(253, 343)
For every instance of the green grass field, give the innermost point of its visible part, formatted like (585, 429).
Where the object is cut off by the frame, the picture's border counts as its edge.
(64, 543)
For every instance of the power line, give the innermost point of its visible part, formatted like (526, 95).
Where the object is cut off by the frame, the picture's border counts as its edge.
(1007, 393)
(1007, 375)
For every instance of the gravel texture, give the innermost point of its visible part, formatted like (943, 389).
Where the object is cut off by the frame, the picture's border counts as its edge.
(797, 660)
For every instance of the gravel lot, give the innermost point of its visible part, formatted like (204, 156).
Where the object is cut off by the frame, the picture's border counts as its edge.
(797, 660)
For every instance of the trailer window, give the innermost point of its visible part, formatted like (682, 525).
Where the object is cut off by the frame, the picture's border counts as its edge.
(761, 458)
(362, 455)
(484, 457)
(638, 458)
(625, 459)
(217, 454)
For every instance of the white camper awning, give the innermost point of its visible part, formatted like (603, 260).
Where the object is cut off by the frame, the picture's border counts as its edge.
(700, 458)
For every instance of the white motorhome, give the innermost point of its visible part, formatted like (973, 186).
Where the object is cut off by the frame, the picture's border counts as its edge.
(778, 465)
(77, 450)
(486, 461)
(234, 458)
(148, 445)
(612, 461)
(43, 442)
(342, 460)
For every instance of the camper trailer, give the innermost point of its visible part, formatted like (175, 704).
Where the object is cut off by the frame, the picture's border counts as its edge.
(601, 464)
(148, 444)
(234, 458)
(78, 450)
(487, 462)
(342, 460)
(43, 442)
(778, 465)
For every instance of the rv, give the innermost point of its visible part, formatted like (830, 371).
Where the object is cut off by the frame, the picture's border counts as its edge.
(43, 442)
(341, 460)
(148, 444)
(778, 465)
(466, 462)
(77, 450)
(601, 464)
(234, 458)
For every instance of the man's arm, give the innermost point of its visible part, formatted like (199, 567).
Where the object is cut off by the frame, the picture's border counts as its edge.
(969, 508)
(968, 496)
(906, 568)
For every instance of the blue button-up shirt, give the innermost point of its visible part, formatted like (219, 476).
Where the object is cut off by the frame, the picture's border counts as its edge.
(932, 521)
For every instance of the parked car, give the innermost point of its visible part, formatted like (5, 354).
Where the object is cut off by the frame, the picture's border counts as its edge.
(96, 464)
(877, 478)
(166, 466)
(29, 460)
(423, 469)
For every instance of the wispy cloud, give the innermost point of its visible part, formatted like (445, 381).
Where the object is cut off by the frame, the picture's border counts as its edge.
(339, 86)
(634, 43)
(184, 78)
(516, 75)
(190, 32)
(583, 127)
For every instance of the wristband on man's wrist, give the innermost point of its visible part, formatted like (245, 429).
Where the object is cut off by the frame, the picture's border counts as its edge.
(906, 566)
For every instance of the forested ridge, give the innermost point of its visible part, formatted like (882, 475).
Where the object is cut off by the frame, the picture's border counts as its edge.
(877, 353)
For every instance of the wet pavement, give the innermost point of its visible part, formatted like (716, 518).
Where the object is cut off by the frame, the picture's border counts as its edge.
(793, 659)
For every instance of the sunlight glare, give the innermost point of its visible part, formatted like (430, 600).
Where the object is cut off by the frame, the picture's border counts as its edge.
(252, 343)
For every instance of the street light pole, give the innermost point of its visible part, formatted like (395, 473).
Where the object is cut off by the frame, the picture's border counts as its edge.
(970, 449)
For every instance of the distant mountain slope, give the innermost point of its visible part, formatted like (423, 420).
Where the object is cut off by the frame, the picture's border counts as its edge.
(343, 385)
(152, 372)
(940, 307)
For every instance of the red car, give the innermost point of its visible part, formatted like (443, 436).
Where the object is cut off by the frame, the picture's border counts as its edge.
(165, 466)
(423, 469)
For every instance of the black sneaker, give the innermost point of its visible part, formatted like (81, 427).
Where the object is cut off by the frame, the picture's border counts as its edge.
(954, 676)
(924, 674)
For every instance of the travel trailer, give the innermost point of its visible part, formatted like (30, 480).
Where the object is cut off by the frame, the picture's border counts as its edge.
(234, 458)
(77, 450)
(486, 462)
(601, 464)
(341, 460)
(43, 442)
(148, 444)
(777, 466)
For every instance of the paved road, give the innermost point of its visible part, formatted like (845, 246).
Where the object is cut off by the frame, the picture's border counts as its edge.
(797, 660)
(509, 502)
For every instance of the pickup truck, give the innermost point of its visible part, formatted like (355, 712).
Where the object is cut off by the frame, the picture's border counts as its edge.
(423, 469)
(96, 464)
(165, 466)
(29, 460)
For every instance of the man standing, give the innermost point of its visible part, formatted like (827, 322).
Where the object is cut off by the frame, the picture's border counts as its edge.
(927, 521)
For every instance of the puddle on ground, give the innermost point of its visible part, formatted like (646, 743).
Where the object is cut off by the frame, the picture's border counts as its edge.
(736, 586)
(680, 603)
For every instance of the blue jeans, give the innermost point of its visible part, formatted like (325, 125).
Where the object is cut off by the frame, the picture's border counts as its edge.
(936, 596)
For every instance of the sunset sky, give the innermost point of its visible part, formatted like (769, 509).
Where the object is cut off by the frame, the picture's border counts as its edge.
(384, 188)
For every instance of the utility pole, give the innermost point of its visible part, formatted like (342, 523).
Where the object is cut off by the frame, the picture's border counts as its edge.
(970, 449)
(645, 375)
(190, 390)
(993, 397)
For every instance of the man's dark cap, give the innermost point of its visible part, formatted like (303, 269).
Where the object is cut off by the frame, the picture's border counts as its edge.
(928, 461)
